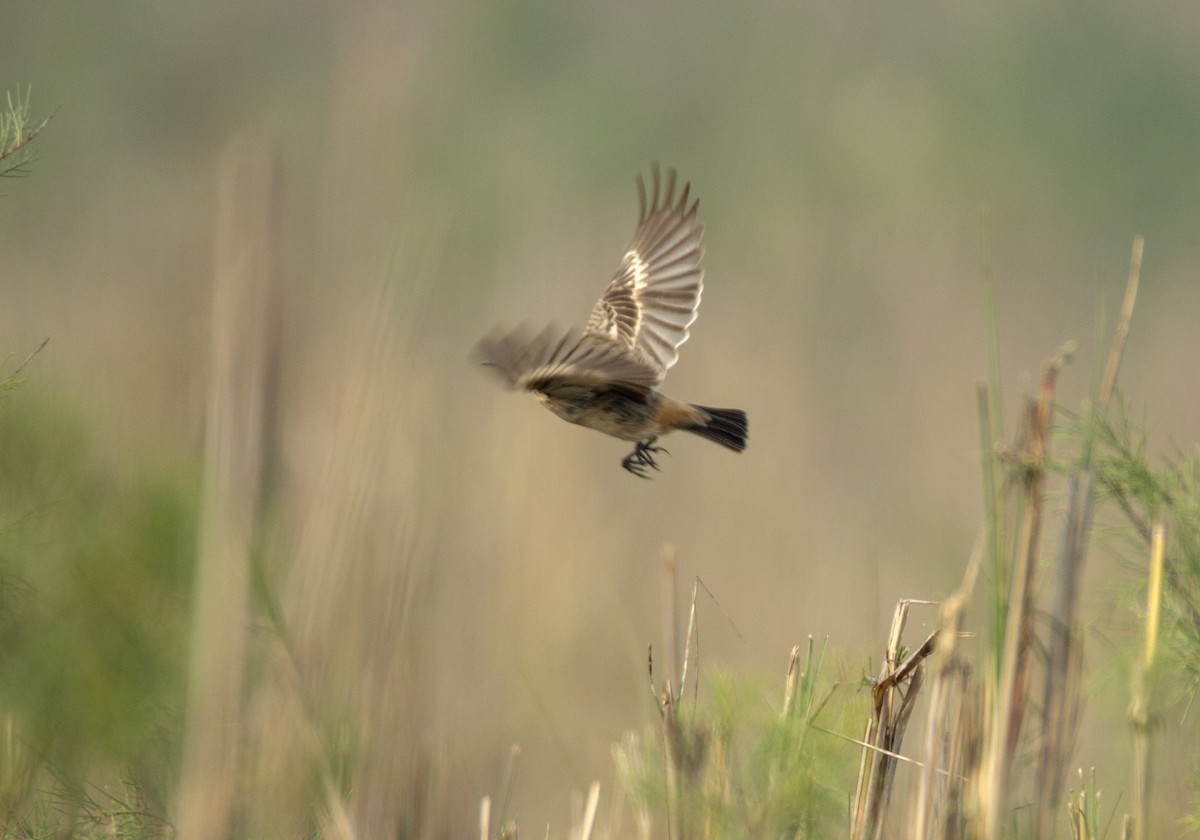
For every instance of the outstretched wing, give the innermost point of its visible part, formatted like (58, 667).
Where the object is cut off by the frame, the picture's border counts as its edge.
(653, 299)
(556, 357)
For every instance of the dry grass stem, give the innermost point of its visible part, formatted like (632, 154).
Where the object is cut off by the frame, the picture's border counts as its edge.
(1140, 713)
(239, 399)
(485, 818)
(588, 820)
(1010, 700)
(1064, 652)
(1117, 352)
(950, 729)
(894, 696)
(670, 612)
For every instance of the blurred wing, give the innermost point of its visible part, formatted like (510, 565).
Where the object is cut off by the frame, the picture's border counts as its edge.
(556, 356)
(653, 299)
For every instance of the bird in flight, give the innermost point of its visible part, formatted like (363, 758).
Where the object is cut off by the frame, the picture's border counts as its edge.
(607, 376)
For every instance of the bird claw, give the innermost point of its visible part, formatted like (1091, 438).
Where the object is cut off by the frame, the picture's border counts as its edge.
(641, 457)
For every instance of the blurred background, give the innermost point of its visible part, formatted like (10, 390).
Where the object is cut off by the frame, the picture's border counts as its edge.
(459, 570)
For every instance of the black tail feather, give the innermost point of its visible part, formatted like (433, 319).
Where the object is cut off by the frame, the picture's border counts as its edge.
(726, 426)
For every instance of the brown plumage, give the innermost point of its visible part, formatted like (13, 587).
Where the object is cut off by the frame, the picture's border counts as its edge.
(606, 378)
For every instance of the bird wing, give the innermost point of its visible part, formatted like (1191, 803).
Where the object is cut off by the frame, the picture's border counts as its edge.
(653, 298)
(556, 357)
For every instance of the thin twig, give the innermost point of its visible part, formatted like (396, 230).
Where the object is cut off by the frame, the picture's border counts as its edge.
(16, 373)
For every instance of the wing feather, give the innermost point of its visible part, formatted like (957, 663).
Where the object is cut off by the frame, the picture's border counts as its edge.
(555, 356)
(654, 297)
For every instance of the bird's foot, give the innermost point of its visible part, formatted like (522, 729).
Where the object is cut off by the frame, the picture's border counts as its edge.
(641, 457)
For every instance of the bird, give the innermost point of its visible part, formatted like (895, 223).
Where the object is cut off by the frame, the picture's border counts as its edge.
(606, 377)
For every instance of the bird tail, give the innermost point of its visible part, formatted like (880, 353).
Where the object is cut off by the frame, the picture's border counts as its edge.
(726, 426)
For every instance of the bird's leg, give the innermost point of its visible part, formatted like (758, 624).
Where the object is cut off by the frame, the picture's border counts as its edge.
(634, 464)
(647, 449)
(641, 457)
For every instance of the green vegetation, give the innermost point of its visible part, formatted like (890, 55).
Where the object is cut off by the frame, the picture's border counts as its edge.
(17, 132)
(742, 763)
(95, 571)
